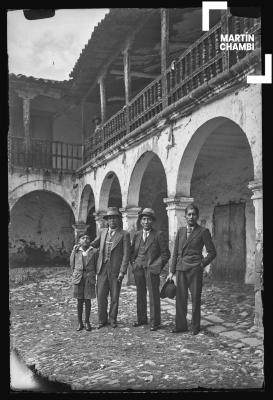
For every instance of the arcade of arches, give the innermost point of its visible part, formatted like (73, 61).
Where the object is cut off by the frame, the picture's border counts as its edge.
(40, 230)
(215, 171)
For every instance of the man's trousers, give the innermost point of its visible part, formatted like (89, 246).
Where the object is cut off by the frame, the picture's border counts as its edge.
(190, 280)
(107, 282)
(144, 278)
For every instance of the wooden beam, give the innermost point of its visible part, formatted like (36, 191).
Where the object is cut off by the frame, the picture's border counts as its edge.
(164, 51)
(115, 98)
(134, 74)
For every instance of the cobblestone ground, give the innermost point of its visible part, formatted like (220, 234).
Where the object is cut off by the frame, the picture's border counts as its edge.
(228, 352)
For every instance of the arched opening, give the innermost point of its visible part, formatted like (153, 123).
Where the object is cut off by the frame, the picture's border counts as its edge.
(87, 209)
(148, 188)
(217, 178)
(40, 230)
(110, 194)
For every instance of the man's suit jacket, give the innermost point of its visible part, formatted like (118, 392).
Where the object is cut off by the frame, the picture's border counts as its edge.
(187, 253)
(76, 265)
(120, 252)
(157, 251)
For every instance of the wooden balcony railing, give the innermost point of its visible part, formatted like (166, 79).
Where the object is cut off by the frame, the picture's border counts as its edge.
(45, 154)
(201, 62)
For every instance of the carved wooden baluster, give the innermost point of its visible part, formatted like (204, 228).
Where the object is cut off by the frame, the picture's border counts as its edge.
(209, 53)
(145, 101)
(152, 95)
(204, 51)
(182, 69)
(159, 89)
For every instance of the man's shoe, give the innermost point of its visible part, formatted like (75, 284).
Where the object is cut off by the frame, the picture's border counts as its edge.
(196, 331)
(114, 324)
(88, 326)
(178, 330)
(101, 325)
(80, 327)
(155, 328)
(135, 324)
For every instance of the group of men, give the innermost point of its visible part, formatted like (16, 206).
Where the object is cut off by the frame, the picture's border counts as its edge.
(148, 254)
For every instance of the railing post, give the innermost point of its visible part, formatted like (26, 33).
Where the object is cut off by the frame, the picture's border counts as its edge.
(164, 53)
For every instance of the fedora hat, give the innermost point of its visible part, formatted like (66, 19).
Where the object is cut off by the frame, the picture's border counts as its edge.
(168, 290)
(148, 212)
(112, 211)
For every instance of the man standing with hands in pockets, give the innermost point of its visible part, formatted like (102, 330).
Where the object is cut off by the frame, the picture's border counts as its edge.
(188, 264)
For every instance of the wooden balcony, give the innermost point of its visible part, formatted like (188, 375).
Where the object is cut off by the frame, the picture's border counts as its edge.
(44, 154)
(200, 63)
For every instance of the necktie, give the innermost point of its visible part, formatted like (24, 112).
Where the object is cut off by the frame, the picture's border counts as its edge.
(145, 235)
(189, 231)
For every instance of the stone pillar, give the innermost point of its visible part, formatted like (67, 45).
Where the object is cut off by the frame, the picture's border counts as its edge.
(164, 52)
(176, 212)
(79, 228)
(100, 222)
(129, 219)
(257, 189)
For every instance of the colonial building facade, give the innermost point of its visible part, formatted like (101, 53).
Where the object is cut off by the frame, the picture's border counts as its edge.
(155, 115)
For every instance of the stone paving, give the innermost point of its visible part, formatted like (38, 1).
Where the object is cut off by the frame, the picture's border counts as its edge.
(227, 354)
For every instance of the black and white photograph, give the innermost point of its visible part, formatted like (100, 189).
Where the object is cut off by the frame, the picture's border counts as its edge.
(135, 180)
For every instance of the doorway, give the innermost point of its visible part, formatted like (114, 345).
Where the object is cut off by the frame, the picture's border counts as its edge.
(230, 242)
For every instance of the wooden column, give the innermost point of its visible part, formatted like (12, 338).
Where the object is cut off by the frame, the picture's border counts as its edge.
(127, 82)
(127, 75)
(225, 31)
(26, 121)
(164, 52)
(83, 128)
(102, 99)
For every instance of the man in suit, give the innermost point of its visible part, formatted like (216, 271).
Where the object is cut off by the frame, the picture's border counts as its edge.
(188, 264)
(149, 255)
(114, 253)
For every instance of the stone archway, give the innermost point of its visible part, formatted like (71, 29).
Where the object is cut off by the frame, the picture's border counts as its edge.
(40, 230)
(148, 188)
(87, 210)
(215, 170)
(110, 193)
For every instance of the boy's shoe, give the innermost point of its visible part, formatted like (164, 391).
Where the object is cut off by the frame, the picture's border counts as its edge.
(80, 327)
(88, 326)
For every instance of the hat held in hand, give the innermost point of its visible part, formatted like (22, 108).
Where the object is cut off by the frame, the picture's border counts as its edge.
(168, 290)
